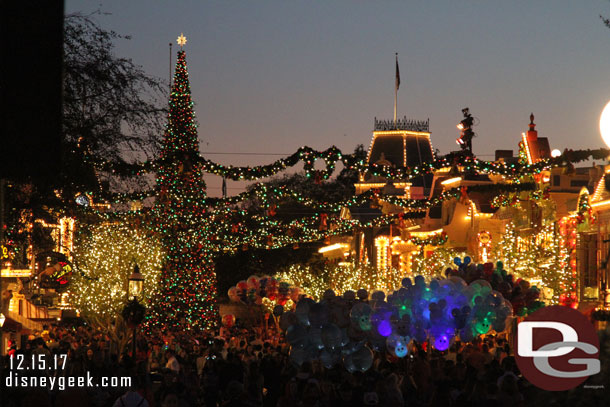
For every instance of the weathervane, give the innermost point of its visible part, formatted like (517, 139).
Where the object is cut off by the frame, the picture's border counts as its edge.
(181, 40)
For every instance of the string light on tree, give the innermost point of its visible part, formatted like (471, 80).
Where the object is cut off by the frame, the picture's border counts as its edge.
(105, 254)
(187, 287)
(341, 278)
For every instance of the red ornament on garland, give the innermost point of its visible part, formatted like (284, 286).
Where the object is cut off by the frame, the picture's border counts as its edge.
(323, 221)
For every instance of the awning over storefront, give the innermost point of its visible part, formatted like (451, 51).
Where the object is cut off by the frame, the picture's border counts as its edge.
(17, 323)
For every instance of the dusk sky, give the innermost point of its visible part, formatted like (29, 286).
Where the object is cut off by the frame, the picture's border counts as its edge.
(271, 76)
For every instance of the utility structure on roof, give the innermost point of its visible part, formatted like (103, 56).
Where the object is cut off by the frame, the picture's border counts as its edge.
(466, 135)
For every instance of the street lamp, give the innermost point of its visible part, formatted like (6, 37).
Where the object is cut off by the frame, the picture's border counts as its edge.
(136, 281)
(2, 319)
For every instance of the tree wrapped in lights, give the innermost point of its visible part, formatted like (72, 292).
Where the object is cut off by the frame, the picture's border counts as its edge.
(436, 263)
(187, 287)
(544, 256)
(518, 253)
(105, 254)
(341, 278)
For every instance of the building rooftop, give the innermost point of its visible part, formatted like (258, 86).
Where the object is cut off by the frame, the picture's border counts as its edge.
(402, 124)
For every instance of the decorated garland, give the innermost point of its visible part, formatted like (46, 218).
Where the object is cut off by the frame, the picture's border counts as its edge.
(232, 228)
(330, 156)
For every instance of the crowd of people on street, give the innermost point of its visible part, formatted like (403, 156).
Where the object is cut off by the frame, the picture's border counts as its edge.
(253, 368)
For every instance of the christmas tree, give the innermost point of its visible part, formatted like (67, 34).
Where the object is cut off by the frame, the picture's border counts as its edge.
(187, 287)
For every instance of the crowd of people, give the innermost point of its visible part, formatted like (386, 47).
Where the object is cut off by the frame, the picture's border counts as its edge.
(250, 368)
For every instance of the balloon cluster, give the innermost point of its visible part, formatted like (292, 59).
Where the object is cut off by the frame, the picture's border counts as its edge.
(524, 298)
(350, 327)
(254, 289)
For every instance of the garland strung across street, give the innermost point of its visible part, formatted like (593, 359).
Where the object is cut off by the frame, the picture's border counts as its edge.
(308, 156)
(267, 195)
(231, 228)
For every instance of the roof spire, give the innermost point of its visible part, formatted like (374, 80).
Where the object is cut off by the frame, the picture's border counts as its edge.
(532, 124)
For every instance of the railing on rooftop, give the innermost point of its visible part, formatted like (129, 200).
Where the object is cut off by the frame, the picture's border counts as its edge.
(402, 124)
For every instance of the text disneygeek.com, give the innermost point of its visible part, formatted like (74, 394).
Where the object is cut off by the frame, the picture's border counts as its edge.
(17, 380)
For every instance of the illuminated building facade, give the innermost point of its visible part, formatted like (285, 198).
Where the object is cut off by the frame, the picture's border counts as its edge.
(479, 222)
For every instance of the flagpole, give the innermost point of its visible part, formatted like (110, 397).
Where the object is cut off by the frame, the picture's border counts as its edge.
(396, 90)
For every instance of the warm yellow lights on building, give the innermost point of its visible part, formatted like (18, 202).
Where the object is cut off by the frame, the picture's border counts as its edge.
(11, 273)
(599, 190)
(451, 181)
(400, 133)
(426, 233)
(403, 249)
(13, 305)
(484, 239)
(382, 244)
(473, 212)
(331, 247)
(600, 203)
(527, 148)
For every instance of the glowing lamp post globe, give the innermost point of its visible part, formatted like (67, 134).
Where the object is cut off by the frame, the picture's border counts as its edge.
(136, 282)
(604, 124)
(134, 312)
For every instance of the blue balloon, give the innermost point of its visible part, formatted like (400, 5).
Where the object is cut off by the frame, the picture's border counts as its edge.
(348, 362)
(299, 355)
(297, 336)
(329, 359)
(442, 341)
(302, 310)
(315, 337)
(331, 336)
(384, 328)
(398, 345)
(362, 359)
(318, 314)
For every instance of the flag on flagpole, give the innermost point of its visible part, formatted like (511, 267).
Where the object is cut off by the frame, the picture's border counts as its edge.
(397, 74)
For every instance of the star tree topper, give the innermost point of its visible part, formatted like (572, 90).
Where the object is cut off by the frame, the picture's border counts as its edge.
(181, 40)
